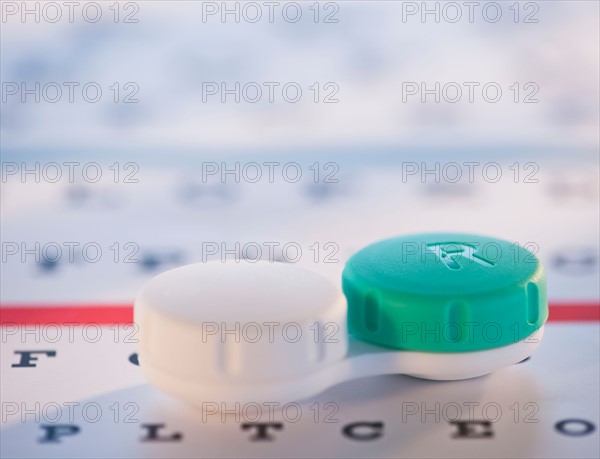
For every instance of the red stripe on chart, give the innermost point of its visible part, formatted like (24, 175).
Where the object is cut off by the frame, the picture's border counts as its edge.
(574, 312)
(104, 314)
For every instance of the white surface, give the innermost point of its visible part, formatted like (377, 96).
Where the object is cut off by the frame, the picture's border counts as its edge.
(559, 382)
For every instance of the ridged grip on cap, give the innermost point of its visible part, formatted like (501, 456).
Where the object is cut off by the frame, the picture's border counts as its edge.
(215, 325)
(444, 292)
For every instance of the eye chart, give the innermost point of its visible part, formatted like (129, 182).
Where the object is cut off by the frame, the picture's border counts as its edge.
(142, 136)
(71, 386)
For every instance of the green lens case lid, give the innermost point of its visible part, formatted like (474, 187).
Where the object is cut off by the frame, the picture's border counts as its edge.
(444, 292)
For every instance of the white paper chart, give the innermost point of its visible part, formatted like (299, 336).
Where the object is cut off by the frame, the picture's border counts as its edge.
(71, 386)
(139, 136)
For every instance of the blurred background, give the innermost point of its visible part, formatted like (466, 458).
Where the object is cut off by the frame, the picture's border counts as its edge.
(167, 50)
(328, 117)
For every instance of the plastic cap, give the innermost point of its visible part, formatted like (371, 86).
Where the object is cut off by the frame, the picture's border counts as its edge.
(444, 292)
(228, 325)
